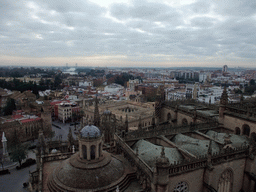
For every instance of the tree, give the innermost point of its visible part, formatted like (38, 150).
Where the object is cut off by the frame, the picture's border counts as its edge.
(57, 81)
(10, 106)
(35, 90)
(97, 82)
(19, 153)
(252, 82)
(18, 150)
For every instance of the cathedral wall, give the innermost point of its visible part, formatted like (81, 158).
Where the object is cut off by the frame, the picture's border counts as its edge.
(181, 117)
(25, 131)
(193, 179)
(233, 122)
(88, 114)
(165, 112)
(144, 121)
(237, 168)
(248, 185)
(8, 131)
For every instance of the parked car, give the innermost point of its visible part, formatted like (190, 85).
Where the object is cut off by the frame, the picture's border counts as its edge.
(5, 171)
(27, 163)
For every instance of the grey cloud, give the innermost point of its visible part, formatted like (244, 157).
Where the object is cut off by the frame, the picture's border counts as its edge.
(64, 6)
(145, 11)
(203, 22)
(241, 8)
(201, 7)
(64, 28)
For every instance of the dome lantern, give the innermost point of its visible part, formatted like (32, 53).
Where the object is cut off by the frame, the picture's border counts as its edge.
(90, 143)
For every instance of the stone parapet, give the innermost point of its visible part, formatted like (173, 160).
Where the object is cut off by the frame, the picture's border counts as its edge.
(167, 130)
(133, 158)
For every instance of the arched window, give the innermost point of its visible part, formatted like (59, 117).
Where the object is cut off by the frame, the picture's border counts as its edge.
(246, 130)
(93, 152)
(84, 149)
(253, 136)
(181, 187)
(100, 149)
(184, 121)
(168, 117)
(238, 131)
(225, 181)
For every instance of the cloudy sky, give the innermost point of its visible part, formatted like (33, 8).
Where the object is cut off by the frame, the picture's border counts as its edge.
(160, 33)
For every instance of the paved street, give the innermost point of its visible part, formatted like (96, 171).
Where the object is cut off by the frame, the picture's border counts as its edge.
(14, 182)
(63, 132)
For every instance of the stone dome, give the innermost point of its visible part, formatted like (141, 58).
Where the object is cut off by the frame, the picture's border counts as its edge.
(77, 175)
(107, 112)
(90, 131)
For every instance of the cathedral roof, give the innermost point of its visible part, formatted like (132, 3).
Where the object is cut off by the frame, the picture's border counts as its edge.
(236, 140)
(90, 131)
(197, 147)
(150, 152)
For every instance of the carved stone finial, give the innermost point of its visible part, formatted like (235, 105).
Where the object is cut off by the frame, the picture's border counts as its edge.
(241, 98)
(210, 148)
(162, 153)
(140, 124)
(224, 97)
(4, 138)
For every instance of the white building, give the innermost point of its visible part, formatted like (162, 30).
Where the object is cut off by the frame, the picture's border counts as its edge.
(133, 83)
(204, 76)
(86, 84)
(210, 95)
(114, 88)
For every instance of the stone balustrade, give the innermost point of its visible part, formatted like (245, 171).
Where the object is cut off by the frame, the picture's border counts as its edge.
(133, 158)
(167, 130)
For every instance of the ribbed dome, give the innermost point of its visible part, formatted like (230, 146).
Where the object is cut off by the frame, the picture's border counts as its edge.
(90, 131)
(107, 112)
(75, 175)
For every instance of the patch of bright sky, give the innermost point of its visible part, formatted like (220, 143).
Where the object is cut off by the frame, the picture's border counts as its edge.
(174, 3)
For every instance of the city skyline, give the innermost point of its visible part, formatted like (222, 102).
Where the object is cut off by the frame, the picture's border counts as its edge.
(128, 33)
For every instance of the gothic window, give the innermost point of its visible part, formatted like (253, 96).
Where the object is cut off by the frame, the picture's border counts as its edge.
(246, 130)
(184, 121)
(237, 131)
(93, 152)
(181, 187)
(168, 116)
(84, 149)
(225, 181)
(99, 149)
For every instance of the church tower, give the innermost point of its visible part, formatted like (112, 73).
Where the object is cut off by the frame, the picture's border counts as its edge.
(108, 126)
(96, 114)
(223, 103)
(160, 97)
(46, 118)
